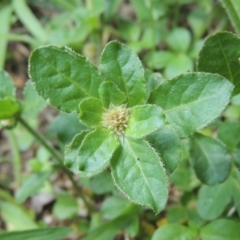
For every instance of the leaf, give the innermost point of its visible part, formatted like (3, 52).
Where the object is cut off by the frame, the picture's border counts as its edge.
(221, 229)
(9, 108)
(213, 200)
(174, 232)
(94, 154)
(7, 88)
(53, 233)
(168, 144)
(210, 159)
(91, 110)
(143, 120)
(191, 101)
(122, 66)
(232, 8)
(235, 187)
(110, 93)
(33, 103)
(138, 173)
(63, 77)
(15, 217)
(31, 186)
(220, 54)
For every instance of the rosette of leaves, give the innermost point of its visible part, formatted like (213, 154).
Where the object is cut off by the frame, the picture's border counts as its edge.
(135, 124)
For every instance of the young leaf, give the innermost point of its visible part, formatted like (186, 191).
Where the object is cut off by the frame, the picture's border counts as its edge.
(94, 154)
(210, 159)
(7, 88)
(174, 232)
(37, 234)
(138, 172)
(224, 229)
(110, 93)
(168, 144)
(63, 77)
(91, 110)
(143, 120)
(191, 101)
(122, 66)
(212, 200)
(9, 108)
(220, 54)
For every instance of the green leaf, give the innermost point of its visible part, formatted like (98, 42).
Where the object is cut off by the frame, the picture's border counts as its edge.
(232, 8)
(220, 54)
(15, 217)
(9, 108)
(221, 229)
(63, 77)
(66, 207)
(7, 88)
(213, 200)
(235, 187)
(94, 154)
(122, 66)
(33, 103)
(138, 172)
(193, 100)
(31, 186)
(179, 39)
(144, 119)
(174, 232)
(210, 159)
(110, 93)
(91, 110)
(228, 133)
(37, 234)
(168, 144)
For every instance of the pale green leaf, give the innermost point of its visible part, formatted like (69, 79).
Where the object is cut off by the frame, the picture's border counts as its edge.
(220, 54)
(138, 172)
(144, 119)
(110, 93)
(191, 101)
(91, 111)
(174, 232)
(213, 200)
(7, 88)
(168, 144)
(94, 154)
(63, 77)
(221, 229)
(122, 66)
(210, 159)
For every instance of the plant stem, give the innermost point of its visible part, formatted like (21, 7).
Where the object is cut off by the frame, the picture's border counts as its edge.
(16, 157)
(58, 157)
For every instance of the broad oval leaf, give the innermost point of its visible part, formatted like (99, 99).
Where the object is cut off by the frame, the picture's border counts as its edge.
(91, 110)
(210, 159)
(220, 54)
(191, 101)
(168, 144)
(94, 153)
(7, 88)
(9, 108)
(222, 229)
(111, 94)
(63, 77)
(212, 200)
(138, 172)
(174, 232)
(122, 66)
(144, 119)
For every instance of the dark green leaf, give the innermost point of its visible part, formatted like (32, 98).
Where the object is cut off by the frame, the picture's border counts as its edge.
(220, 54)
(191, 101)
(63, 77)
(210, 159)
(121, 65)
(138, 172)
